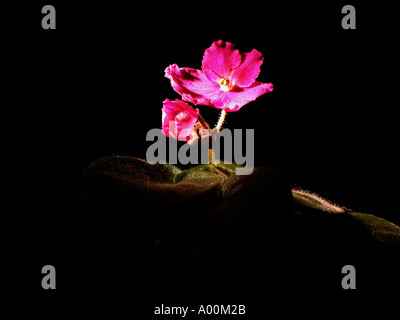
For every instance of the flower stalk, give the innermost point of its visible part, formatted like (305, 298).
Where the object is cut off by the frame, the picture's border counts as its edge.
(221, 119)
(203, 123)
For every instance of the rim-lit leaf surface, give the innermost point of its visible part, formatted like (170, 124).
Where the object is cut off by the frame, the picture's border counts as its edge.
(130, 229)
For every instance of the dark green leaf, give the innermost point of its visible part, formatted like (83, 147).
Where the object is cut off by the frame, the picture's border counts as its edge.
(380, 229)
(314, 201)
(134, 183)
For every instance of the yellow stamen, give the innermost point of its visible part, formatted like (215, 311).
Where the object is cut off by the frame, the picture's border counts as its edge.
(224, 84)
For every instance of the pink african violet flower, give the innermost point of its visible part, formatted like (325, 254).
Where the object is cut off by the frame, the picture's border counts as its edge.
(227, 79)
(178, 119)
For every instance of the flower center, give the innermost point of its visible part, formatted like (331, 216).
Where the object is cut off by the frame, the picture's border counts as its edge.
(224, 84)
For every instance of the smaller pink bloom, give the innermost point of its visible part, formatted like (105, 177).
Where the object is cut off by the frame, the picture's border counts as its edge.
(178, 119)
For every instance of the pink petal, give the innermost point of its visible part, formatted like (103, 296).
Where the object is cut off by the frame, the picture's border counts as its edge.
(248, 71)
(177, 106)
(192, 84)
(219, 60)
(237, 97)
(178, 119)
(184, 125)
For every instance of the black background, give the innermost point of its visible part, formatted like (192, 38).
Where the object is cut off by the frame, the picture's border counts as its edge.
(94, 87)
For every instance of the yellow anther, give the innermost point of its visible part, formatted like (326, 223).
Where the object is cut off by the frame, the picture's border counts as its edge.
(224, 84)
